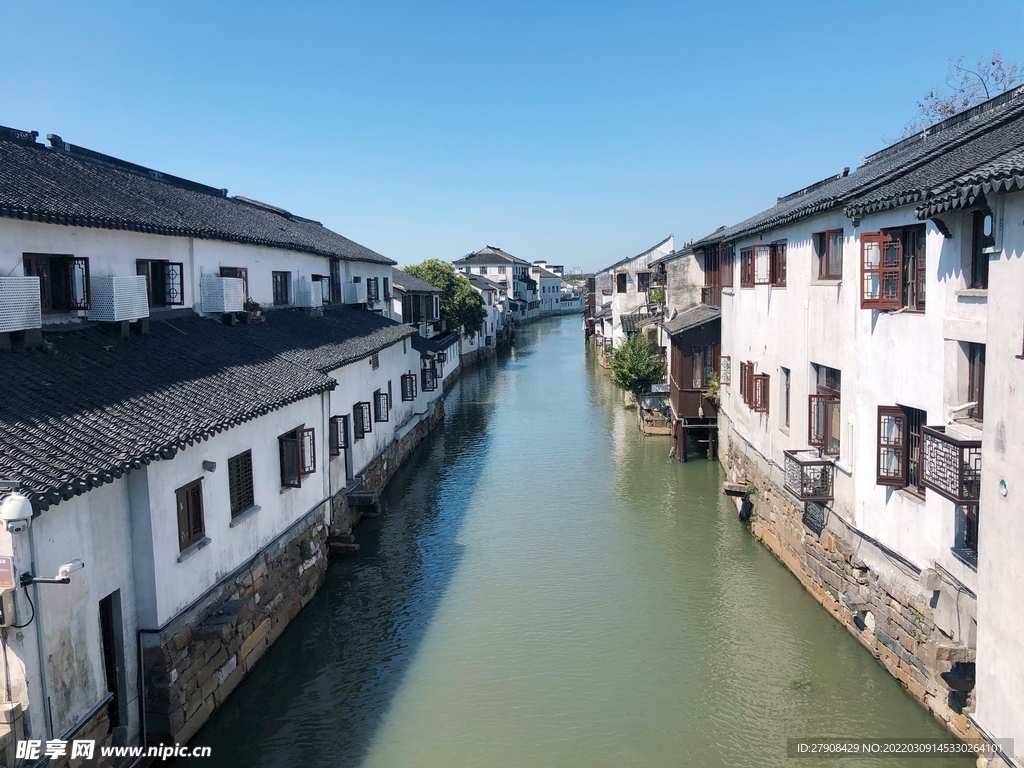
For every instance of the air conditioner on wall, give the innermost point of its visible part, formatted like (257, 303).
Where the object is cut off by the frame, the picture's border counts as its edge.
(20, 305)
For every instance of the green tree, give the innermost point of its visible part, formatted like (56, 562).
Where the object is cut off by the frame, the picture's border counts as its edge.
(637, 364)
(461, 305)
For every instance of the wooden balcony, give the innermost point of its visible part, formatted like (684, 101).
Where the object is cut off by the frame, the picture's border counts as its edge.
(691, 404)
(808, 476)
(951, 463)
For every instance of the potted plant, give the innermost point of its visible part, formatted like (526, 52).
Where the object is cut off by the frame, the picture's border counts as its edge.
(252, 307)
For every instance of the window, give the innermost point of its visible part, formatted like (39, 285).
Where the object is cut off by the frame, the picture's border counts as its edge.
(298, 456)
(759, 402)
(983, 238)
(282, 284)
(63, 281)
(762, 264)
(190, 514)
(335, 285)
(823, 424)
(899, 447)
(164, 281)
(238, 272)
(408, 387)
(380, 406)
(725, 259)
(501, 270)
(746, 388)
(429, 374)
(725, 377)
(483, 270)
(338, 434)
(643, 281)
(828, 248)
(240, 483)
(372, 289)
(703, 365)
(387, 289)
(965, 545)
(390, 401)
(893, 269)
(778, 264)
(746, 268)
(784, 391)
(375, 361)
(976, 379)
(357, 279)
(620, 282)
(362, 423)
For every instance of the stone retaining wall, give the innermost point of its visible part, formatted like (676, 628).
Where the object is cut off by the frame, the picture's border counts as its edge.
(888, 613)
(196, 661)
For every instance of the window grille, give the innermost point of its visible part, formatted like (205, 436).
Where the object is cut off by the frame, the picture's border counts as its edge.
(240, 483)
(338, 434)
(380, 406)
(760, 397)
(362, 421)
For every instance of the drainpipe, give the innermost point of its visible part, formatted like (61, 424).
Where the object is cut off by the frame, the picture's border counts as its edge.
(43, 676)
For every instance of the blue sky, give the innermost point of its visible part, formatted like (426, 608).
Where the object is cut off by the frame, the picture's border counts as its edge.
(575, 132)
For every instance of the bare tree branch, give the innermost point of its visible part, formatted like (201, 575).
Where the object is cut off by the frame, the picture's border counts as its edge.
(965, 88)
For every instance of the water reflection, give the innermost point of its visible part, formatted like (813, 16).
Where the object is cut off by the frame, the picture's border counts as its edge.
(547, 588)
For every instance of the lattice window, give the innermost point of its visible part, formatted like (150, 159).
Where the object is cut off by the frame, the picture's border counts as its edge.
(762, 264)
(778, 259)
(408, 387)
(759, 402)
(338, 434)
(380, 406)
(240, 486)
(725, 377)
(362, 420)
(746, 267)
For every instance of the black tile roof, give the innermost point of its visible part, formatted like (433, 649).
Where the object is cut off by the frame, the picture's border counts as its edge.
(912, 171)
(71, 185)
(620, 262)
(479, 281)
(490, 254)
(95, 406)
(406, 283)
(691, 318)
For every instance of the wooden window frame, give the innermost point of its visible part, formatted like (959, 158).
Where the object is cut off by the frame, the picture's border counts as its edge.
(429, 376)
(762, 253)
(303, 455)
(372, 289)
(362, 420)
(191, 495)
(726, 253)
(787, 390)
(408, 387)
(897, 446)
(338, 434)
(380, 406)
(241, 492)
(980, 242)
(761, 383)
(33, 266)
(778, 265)
(823, 250)
(160, 286)
(281, 282)
(307, 450)
(746, 267)
(747, 383)
(643, 282)
(621, 282)
(725, 372)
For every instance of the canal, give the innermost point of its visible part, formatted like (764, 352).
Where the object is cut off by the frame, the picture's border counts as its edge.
(545, 587)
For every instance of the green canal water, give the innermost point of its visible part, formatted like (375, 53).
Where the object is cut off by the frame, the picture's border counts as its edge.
(545, 587)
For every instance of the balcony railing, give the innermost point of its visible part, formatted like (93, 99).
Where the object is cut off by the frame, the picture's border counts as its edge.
(809, 477)
(711, 295)
(951, 463)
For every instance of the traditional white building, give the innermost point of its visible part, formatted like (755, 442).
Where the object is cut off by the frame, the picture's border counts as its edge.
(626, 285)
(417, 303)
(856, 322)
(191, 454)
(549, 287)
(511, 273)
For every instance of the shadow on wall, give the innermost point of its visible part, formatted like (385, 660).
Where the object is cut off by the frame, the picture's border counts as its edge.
(322, 691)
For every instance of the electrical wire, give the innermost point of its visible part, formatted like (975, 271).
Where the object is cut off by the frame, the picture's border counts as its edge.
(32, 605)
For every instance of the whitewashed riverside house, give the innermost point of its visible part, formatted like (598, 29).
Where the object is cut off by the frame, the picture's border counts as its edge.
(417, 303)
(549, 288)
(862, 322)
(510, 272)
(191, 455)
(625, 285)
(495, 327)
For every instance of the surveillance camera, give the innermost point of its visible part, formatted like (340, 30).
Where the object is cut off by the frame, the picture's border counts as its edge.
(67, 569)
(16, 512)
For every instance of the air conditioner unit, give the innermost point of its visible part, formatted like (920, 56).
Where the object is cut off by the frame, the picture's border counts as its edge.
(118, 297)
(355, 293)
(308, 294)
(20, 307)
(222, 294)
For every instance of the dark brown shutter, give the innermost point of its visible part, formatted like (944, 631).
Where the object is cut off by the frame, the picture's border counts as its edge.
(891, 275)
(871, 269)
(816, 426)
(761, 392)
(892, 446)
(291, 460)
(307, 446)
